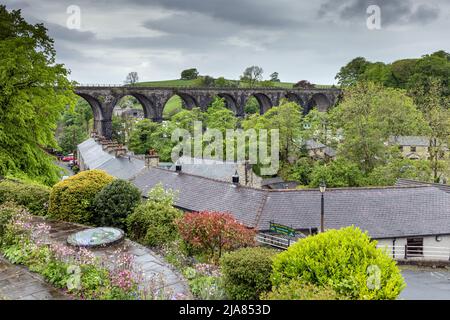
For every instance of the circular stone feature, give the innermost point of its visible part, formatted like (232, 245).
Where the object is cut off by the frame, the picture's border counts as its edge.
(96, 237)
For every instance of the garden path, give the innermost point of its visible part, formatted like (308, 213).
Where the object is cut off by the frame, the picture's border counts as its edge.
(17, 283)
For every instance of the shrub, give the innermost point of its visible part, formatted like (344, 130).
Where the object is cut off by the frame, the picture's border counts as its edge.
(214, 232)
(115, 202)
(298, 290)
(33, 196)
(153, 221)
(247, 272)
(205, 281)
(346, 260)
(71, 200)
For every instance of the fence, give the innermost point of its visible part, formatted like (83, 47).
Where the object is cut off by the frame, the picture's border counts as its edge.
(417, 252)
(275, 241)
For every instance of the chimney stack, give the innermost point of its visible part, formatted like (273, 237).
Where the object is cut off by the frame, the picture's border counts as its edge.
(152, 159)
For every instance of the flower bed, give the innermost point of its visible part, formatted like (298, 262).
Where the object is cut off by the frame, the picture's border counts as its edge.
(75, 270)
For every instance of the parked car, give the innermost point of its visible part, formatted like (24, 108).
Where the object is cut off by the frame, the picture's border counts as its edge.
(69, 157)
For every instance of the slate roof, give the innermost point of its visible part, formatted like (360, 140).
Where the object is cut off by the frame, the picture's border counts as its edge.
(409, 182)
(196, 193)
(208, 168)
(95, 158)
(384, 212)
(410, 140)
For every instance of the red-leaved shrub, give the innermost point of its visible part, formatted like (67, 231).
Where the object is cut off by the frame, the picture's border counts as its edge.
(214, 232)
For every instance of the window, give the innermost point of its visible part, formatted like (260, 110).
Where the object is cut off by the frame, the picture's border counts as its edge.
(414, 247)
(400, 148)
(413, 148)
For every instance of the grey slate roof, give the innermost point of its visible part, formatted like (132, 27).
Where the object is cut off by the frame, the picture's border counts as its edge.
(409, 182)
(383, 212)
(196, 193)
(95, 158)
(410, 140)
(208, 168)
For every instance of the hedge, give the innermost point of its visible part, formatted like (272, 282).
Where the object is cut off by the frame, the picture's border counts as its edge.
(247, 272)
(115, 202)
(346, 260)
(32, 196)
(72, 199)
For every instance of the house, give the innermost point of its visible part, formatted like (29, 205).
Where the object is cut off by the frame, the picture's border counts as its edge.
(395, 216)
(317, 150)
(129, 112)
(414, 147)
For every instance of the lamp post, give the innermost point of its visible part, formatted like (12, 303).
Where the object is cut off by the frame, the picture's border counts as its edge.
(322, 188)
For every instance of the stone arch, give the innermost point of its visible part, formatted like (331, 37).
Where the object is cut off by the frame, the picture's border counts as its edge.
(231, 103)
(264, 102)
(97, 111)
(189, 101)
(295, 98)
(320, 101)
(148, 106)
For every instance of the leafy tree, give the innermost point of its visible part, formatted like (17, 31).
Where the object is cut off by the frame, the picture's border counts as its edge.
(274, 77)
(189, 74)
(207, 81)
(351, 73)
(251, 106)
(287, 119)
(221, 82)
(299, 171)
(34, 91)
(337, 173)
(147, 135)
(218, 116)
(132, 78)
(367, 116)
(436, 109)
(185, 119)
(71, 137)
(252, 75)
(304, 84)
(214, 232)
(387, 174)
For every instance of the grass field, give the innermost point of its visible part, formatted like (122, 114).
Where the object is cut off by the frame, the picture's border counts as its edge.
(197, 82)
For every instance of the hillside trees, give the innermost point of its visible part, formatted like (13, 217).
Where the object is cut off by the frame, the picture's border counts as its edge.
(34, 90)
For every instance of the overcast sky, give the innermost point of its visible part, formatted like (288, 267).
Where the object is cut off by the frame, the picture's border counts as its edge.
(298, 39)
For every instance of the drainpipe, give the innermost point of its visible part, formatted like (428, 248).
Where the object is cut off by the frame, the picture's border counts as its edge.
(393, 248)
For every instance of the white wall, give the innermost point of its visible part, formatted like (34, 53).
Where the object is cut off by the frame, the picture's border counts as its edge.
(432, 249)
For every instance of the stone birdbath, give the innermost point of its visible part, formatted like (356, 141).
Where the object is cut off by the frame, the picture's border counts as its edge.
(96, 237)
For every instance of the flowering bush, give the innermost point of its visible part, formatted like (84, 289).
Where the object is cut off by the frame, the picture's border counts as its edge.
(71, 199)
(205, 281)
(214, 232)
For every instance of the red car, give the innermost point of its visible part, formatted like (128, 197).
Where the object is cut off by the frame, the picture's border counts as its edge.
(68, 158)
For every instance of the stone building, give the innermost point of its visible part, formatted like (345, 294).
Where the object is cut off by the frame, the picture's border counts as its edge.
(414, 147)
